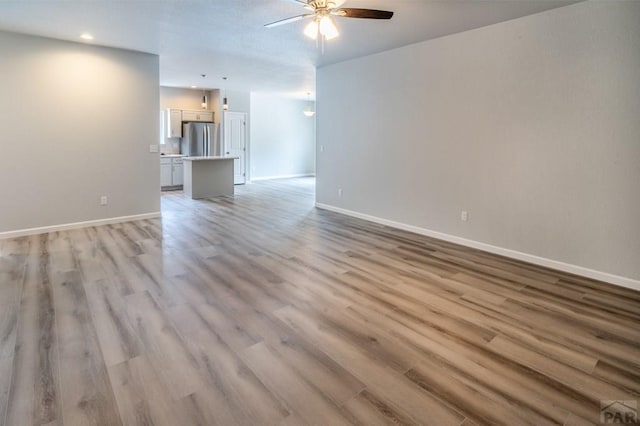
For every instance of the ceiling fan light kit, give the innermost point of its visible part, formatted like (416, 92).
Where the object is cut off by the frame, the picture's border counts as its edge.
(311, 30)
(328, 28)
(323, 26)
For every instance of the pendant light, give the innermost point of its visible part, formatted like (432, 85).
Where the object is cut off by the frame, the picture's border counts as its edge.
(308, 111)
(204, 100)
(203, 104)
(225, 104)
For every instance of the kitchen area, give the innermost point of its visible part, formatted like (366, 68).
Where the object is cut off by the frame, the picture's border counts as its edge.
(192, 158)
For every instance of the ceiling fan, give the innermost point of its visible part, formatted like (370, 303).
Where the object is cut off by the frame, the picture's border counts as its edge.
(323, 11)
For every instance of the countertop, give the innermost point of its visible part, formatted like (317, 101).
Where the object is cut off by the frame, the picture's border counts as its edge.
(209, 158)
(172, 155)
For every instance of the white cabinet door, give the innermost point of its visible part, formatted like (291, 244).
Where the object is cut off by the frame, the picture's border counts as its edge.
(174, 123)
(206, 116)
(197, 116)
(178, 172)
(165, 172)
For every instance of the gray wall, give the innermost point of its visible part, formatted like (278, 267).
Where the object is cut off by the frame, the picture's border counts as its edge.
(282, 137)
(532, 126)
(239, 101)
(76, 122)
(182, 98)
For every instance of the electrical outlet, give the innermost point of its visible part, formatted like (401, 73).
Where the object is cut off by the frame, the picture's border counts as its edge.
(339, 192)
(103, 200)
(464, 216)
(321, 148)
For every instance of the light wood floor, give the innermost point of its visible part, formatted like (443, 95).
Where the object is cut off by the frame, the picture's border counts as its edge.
(262, 310)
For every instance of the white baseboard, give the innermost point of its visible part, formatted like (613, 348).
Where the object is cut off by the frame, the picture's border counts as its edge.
(536, 260)
(76, 225)
(253, 179)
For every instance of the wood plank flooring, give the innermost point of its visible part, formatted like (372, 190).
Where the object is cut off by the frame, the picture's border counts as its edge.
(262, 310)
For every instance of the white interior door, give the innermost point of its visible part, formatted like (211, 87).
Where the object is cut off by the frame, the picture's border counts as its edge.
(235, 143)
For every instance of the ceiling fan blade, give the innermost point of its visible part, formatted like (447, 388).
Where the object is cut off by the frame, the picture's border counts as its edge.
(302, 2)
(349, 12)
(288, 20)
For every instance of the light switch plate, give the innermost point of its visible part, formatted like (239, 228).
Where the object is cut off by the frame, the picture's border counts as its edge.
(154, 148)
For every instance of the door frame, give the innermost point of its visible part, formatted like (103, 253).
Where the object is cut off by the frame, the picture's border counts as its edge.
(247, 141)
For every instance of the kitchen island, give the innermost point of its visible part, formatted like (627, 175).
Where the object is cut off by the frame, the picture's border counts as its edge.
(206, 177)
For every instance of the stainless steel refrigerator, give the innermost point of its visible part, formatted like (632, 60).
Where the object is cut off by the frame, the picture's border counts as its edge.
(200, 140)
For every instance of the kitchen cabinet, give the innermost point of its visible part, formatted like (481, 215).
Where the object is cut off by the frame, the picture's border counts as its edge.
(165, 172)
(171, 173)
(206, 177)
(175, 117)
(189, 115)
(177, 174)
(174, 123)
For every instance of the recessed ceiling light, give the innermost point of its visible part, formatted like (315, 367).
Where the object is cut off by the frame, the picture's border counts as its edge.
(86, 36)
(194, 87)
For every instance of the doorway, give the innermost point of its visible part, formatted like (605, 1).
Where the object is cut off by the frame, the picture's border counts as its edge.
(235, 143)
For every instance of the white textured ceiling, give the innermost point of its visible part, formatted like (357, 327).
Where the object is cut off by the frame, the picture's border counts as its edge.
(227, 37)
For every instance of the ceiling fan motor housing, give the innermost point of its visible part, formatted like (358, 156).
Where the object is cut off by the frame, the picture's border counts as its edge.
(322, 9)
(324, 4)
